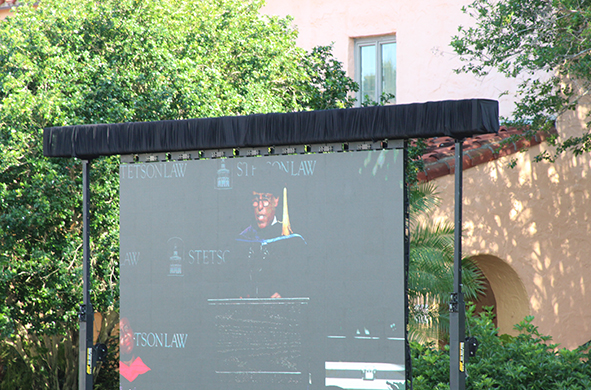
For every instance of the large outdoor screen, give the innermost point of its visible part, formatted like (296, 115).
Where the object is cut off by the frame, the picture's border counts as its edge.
(273, 272)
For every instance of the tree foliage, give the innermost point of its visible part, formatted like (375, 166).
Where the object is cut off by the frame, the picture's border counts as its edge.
(72, 62)
(545, 46)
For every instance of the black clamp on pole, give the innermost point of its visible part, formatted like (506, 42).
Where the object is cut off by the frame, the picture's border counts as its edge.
(82, 313)
(454, 303)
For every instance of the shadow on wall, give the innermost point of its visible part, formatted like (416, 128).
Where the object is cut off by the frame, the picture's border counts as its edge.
(506, 291)
(487, 299)
(537, 218)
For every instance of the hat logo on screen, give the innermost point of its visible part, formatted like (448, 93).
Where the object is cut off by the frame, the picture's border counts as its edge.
(176, 251)
(224, 178)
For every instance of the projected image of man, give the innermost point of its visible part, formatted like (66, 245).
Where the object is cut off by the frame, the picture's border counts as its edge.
(264, 209)
(269, 317)
(272, 246)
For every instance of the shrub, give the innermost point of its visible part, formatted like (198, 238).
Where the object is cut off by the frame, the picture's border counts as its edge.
(528, 361)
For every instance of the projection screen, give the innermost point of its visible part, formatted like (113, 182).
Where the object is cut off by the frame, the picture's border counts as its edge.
(269, 272)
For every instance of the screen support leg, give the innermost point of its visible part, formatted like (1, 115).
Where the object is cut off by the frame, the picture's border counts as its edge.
(457, 308)
(86, 315)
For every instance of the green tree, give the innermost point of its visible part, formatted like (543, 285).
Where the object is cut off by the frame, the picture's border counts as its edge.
(74, 62)
(545, 46)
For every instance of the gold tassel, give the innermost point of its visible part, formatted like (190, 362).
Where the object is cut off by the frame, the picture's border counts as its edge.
(286, 226)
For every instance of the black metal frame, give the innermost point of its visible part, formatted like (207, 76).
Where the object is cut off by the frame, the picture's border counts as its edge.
(86, 342)
(408, 368)
(457, 119)
(457, 312)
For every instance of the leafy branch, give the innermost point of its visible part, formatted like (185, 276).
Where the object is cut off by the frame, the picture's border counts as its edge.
(545, 45)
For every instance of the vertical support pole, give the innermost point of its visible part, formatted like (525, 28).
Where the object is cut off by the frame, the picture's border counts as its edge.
(457, 308)
(85, 336)
(408, 358)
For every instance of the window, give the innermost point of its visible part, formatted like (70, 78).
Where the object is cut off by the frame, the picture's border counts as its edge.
(375, 67)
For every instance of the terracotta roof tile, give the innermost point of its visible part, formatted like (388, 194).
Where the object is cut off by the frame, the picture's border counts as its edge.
(439, 155)
(481, 156)
(435, 170)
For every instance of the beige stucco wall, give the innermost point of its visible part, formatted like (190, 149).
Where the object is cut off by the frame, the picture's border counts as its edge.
(537, 218)
(423, 29)
(4, 12)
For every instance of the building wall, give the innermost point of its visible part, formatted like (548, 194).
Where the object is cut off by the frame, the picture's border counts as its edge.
(425, 61)
(535, 218)
(4, 12)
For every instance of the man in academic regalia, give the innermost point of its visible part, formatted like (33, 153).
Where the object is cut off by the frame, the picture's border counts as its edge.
(274, 253)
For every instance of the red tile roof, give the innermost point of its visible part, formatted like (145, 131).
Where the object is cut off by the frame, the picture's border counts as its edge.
(439, 157)
(7, 3)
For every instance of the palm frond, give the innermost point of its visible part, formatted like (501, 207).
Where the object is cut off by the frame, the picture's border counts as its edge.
(430, 281)
(422, 199)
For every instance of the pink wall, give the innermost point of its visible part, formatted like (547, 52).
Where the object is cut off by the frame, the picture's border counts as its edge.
(4, 12)
(423, 29)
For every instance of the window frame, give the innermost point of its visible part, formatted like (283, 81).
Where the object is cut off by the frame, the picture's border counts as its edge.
(376, 41)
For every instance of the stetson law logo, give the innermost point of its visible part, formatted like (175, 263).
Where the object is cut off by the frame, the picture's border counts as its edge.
(176, 254)
(224, 177)
(160, 340)
(131, 258)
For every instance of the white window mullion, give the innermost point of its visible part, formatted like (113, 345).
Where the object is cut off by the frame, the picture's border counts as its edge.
(372, 69)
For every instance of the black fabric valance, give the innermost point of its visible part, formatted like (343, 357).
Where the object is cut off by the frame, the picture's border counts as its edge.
(453, 118)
